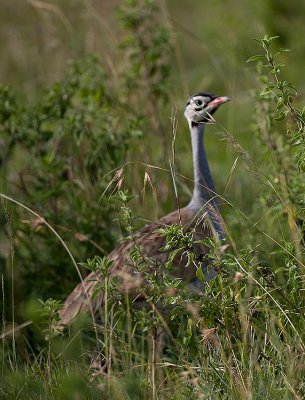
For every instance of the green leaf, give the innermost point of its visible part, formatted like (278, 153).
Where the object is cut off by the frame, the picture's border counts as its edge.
(280, 116)
(255, 58)
(200, 275)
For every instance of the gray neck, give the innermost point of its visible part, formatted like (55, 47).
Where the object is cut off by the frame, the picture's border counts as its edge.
(204, 192)
(204, 189)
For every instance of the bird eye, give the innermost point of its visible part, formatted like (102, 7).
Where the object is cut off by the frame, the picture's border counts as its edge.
(198, 102)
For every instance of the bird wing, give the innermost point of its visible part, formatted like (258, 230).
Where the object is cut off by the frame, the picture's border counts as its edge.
(149, 242)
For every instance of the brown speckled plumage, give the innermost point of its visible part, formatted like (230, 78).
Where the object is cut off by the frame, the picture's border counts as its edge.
(150, 243)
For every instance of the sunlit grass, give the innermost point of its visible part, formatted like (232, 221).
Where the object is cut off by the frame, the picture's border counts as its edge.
(244, 339)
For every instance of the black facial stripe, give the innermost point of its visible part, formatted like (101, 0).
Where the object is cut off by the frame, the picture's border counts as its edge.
(212, 110)
(211, 96)
(204, 94)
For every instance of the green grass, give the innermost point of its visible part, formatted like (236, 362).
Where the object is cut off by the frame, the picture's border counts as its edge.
(61, 147)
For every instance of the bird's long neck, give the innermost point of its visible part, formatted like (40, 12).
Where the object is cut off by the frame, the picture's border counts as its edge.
(204, 194)
(204, 189)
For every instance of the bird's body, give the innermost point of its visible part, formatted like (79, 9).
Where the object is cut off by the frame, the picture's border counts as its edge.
(201, 217)
(150, 242)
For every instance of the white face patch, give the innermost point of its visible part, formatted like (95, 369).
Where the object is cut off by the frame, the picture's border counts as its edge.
(195, 109)
(200, 107)
(199, 101)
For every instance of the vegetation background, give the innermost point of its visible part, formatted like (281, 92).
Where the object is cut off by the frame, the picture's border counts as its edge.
(92, 94)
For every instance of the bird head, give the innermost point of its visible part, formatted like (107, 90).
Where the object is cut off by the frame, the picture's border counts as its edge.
(201, 106)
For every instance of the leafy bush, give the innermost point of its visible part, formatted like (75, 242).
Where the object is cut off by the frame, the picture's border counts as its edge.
(57, 156)
(244, 338)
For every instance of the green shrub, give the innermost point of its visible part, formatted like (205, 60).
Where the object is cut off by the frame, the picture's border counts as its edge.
(65, 158)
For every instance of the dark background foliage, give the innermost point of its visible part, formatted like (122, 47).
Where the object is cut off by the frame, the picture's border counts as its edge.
(91, 101)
